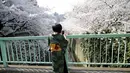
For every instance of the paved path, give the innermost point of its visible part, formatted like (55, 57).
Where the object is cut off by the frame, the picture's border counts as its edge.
(48, 69)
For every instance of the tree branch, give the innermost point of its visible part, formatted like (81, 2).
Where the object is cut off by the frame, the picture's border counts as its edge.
(110, 6)
(19, 27)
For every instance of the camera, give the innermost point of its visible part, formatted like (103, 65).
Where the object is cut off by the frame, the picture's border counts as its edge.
(63, 32)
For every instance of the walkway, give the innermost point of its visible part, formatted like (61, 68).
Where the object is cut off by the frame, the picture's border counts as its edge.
(48, 69)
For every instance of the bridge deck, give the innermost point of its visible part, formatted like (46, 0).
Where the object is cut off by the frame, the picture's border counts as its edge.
(48, 69)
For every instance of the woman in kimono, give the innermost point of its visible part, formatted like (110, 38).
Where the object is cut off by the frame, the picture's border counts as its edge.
(58, 44)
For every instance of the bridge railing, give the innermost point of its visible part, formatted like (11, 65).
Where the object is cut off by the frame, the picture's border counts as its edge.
(25, 50)
(107, 50)
(85, 50)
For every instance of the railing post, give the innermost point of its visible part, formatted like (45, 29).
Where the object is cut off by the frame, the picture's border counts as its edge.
(66, 58)
(3, 50)
(66, 55)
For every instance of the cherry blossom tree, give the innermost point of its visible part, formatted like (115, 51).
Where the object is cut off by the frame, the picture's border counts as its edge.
(24, 18)
(98, 15)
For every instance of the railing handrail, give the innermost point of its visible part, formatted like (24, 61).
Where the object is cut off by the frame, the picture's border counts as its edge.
(68, 36)
(24, 38)
(98, 35)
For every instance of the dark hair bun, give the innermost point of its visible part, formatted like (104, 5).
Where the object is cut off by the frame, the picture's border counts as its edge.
(57, 28)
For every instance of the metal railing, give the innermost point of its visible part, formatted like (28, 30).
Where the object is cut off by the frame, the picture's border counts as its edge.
(100, 49)
(25, 50)
(85, 50)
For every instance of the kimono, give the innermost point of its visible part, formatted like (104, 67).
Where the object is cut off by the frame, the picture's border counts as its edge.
(58, 44)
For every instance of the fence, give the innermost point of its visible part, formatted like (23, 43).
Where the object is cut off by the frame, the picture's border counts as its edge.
(85, 50)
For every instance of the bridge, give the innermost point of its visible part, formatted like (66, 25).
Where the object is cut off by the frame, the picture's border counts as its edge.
(87, 53)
